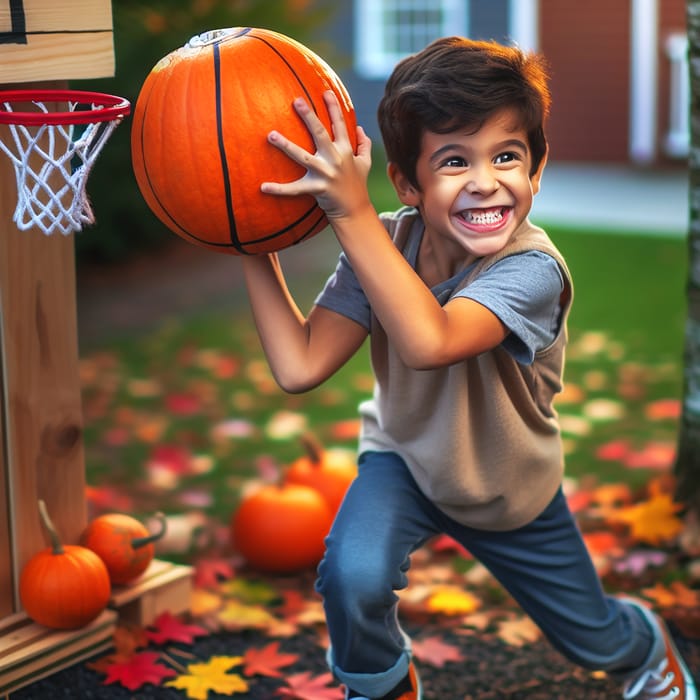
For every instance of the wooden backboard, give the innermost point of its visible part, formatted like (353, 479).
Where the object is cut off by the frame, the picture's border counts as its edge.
(55, 40)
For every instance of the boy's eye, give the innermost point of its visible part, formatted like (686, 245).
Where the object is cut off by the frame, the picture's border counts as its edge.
(507, 157)
(454, 162)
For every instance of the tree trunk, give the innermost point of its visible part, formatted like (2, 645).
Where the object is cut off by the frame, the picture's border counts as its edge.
(688, 458)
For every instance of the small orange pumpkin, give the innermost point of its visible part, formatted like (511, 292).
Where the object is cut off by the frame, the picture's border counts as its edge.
(64, 586)
(199, 138)
(123, 543)
(280, 528)
(329, 471)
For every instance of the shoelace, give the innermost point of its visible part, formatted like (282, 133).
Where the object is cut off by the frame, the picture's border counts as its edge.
(653, 684)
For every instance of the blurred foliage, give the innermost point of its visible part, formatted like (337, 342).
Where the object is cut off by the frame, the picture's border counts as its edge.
(144, 32)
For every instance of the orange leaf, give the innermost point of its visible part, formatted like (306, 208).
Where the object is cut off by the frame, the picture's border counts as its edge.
(677, 594)
(653, 521)
(267, 661)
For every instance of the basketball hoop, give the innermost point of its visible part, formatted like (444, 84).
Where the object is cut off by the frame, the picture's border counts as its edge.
(67, 143)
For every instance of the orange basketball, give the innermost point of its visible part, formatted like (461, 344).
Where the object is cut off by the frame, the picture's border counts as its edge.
(199, 138)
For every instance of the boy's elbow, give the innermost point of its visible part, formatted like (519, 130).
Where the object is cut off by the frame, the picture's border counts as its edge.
(294, 384)
(422, 358)
(291, 386)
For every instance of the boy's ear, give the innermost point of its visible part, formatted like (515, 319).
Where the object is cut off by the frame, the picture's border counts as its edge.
(406, 192)
(536, 177)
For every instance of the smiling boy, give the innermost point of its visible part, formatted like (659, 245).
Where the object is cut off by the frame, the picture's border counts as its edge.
(465, 303)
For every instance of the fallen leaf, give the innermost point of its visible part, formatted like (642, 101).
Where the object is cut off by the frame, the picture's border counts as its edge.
(450, 600)
(204, 602)
(168, 628)
(435, 651)
(208, 572)
(518, 631)
(638, 561)
(654, 455)
(603, 410)
(238, 616)
(286, 424)
(676, 594)
(663, 409)
(653, 521)
(138, 670)
(267, 661)
(306, 686)
(445, 543)
(212, 675)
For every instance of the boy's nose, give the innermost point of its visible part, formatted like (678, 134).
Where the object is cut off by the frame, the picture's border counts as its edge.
(481, 181)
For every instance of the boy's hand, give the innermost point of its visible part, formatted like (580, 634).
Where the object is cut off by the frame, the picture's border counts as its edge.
(335, 175)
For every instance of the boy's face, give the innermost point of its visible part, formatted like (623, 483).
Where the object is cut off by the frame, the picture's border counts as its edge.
(475, 188)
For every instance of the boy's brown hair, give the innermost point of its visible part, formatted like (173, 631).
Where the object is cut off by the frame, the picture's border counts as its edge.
(455, 83)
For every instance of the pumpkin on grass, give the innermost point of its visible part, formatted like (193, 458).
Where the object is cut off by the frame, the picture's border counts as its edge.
(64, 586)
(329, 471)
(281, 528)
(123, 543)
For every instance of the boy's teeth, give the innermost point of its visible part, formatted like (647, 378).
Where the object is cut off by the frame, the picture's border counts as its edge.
(484, 216)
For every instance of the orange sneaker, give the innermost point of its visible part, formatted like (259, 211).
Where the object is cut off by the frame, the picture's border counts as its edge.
(408, 689)
(666, 675)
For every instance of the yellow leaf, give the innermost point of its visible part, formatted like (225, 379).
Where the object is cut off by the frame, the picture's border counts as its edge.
(518, 631)
(452, 601)
(211, 675)
(238, 616)
(203, 602)
(653, 521)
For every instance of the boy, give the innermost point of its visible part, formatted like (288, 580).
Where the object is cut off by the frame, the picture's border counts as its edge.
(465, 303)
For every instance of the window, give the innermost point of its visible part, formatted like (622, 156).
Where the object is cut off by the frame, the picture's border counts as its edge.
(388, 30)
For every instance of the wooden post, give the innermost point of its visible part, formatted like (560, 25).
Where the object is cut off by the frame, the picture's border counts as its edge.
(41, 440)
(42, 417)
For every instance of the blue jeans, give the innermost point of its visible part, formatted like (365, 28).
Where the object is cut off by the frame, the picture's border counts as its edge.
(544, 565)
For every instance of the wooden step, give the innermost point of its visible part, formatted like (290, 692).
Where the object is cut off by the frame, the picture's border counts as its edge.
(29, 652)
(163, 587)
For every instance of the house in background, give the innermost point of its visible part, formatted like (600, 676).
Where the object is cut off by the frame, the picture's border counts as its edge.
(618, 69)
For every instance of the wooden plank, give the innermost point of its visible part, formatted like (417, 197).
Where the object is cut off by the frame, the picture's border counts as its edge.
(52, 57)
(52, 16)
(44, 422)
(50, 40)
(39, 652)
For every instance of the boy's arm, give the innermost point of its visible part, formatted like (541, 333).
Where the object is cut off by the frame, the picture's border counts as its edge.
(302, 352)
(425, 334)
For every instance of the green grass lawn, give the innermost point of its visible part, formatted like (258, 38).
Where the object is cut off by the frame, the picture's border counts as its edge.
(180, 418)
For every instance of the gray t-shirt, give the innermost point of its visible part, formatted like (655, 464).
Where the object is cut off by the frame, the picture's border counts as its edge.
(522, 290)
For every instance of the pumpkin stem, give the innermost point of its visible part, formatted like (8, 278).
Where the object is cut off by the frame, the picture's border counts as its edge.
(143, 541)
(313, 447)
(56, 546)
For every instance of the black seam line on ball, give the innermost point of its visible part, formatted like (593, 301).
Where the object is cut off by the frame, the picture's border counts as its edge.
(222, 153)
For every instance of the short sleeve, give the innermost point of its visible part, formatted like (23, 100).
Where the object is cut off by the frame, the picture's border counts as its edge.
(524, 291)
(343, 294)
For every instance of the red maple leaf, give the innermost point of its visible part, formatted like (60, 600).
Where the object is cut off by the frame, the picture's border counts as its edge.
(435, 651)
(140, 669)
(267, 661)
(208, 572)
(306, 686)
(183, 404)
(444, 543)
(169, 628)
(294, 603)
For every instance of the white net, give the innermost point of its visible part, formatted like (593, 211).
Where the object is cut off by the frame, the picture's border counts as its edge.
(54, 197)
